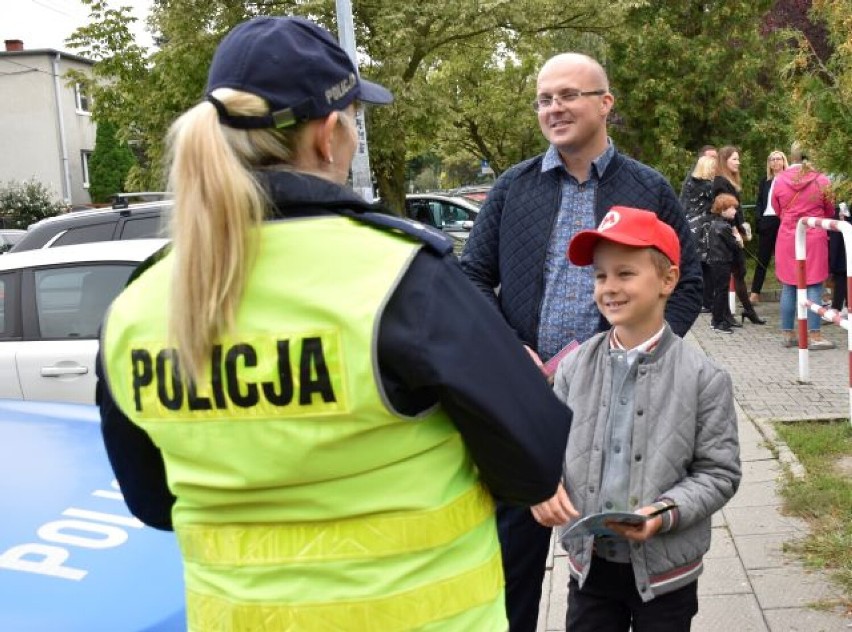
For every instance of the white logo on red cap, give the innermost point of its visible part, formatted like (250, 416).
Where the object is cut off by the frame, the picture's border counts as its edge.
(610, 219)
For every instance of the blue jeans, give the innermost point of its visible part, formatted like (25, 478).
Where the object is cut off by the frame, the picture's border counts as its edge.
(788, 307)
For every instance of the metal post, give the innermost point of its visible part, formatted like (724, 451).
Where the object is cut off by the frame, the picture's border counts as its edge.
(803, 304)
(362, 179)
(801, 298)
(732, 296)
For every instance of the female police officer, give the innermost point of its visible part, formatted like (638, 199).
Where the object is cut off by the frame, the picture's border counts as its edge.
(308, 391)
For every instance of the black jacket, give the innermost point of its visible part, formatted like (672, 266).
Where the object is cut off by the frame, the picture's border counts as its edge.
(722, 185)
(723, 245)
(508, 244)
(761, 203)
(696, 198)
(439, 342)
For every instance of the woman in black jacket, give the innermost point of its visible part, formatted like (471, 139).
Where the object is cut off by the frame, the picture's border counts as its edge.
(696, 197)
(727, 180)
(767, 222)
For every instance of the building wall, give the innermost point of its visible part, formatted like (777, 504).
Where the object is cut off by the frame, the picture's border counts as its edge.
(30, 134)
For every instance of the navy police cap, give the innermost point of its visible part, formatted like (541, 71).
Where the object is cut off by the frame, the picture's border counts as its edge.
(296, 66)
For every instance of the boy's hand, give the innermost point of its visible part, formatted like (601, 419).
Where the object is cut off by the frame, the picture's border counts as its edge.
(556, 511)
(737, 236)
(638, 532)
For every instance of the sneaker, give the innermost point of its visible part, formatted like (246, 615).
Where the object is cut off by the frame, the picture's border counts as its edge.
(723, 328)
(789, 343)
(705, 310)
(822, 343)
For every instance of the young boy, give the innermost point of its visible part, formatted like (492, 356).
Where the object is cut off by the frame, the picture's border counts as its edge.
(654, 430)
(725, 244)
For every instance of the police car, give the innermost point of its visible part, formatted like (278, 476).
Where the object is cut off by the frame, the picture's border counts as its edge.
(52, 302)
(71, 556)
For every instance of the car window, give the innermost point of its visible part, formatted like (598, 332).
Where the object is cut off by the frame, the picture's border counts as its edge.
(421, 211)
(10, 325)
(86, 234)
(450, 214)
(71, 302)
(142, 228)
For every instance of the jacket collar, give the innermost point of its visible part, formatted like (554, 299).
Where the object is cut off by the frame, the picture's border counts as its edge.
(295, 194)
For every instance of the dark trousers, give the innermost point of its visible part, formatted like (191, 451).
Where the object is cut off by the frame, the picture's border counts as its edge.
(707, 297)
(609, 602)
(720, 274)
(766, 236)
(524, 544)
(838, 294)
(738, 269)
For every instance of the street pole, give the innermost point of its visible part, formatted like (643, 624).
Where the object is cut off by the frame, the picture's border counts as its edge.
(362, 179)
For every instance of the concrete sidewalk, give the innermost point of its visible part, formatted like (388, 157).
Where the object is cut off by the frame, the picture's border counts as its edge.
(749, 583)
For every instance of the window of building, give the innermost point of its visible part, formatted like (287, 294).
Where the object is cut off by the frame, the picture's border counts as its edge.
(84, 162)
(83, 100)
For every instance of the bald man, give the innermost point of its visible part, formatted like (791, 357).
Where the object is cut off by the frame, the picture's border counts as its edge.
(518, 245)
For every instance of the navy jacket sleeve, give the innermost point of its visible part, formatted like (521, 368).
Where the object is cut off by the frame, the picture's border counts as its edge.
(136, 461)
(440, 338)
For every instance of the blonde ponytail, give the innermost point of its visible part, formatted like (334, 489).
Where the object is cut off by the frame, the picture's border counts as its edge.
(218, 204)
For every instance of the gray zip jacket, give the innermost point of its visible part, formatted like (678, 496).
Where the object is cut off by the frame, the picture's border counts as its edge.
(684, 446)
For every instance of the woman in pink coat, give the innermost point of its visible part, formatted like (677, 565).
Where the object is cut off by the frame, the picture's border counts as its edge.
(801, 191)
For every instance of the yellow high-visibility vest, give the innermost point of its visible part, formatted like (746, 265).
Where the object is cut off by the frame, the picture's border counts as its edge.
(303, 501)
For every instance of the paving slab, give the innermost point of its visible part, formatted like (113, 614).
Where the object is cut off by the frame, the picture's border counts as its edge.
(755, 494)
(761, 521)
(763, 470)
(729, 613)
(721, 544)
(805, 620)
(765, 550)
(723, 576)
(558, 597)
(791, 587)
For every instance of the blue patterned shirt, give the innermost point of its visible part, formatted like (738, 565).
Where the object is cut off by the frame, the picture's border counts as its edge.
(568, 310)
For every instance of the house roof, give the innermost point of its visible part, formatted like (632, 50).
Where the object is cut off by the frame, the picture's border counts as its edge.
(51, 52)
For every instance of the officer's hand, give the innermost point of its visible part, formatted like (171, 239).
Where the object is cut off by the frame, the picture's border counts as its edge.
(556, 511)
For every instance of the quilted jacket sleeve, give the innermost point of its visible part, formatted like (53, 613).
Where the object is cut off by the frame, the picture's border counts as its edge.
(714, 473)
(480, 258)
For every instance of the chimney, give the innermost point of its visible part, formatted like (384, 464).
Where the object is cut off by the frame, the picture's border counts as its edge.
(14, 45)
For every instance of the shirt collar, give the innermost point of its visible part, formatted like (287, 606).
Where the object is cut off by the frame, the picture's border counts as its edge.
(552, 160)
(647, 347)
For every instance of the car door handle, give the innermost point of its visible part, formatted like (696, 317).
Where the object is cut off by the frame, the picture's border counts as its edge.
(59, 371)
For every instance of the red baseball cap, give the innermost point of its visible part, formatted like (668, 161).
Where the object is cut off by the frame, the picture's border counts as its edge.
(630, 227)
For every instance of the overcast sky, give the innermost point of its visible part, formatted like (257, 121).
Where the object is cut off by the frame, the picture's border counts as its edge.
(47, 23)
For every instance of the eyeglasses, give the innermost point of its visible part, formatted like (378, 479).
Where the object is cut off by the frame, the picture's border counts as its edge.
(566, 96)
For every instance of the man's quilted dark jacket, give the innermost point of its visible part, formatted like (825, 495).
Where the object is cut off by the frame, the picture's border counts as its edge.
(508, 243)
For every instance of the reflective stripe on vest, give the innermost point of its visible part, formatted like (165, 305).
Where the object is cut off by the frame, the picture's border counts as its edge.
(371, 536)
(403, 611)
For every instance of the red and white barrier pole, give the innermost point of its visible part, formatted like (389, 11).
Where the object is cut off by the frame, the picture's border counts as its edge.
(802, 302)
(732, 296)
